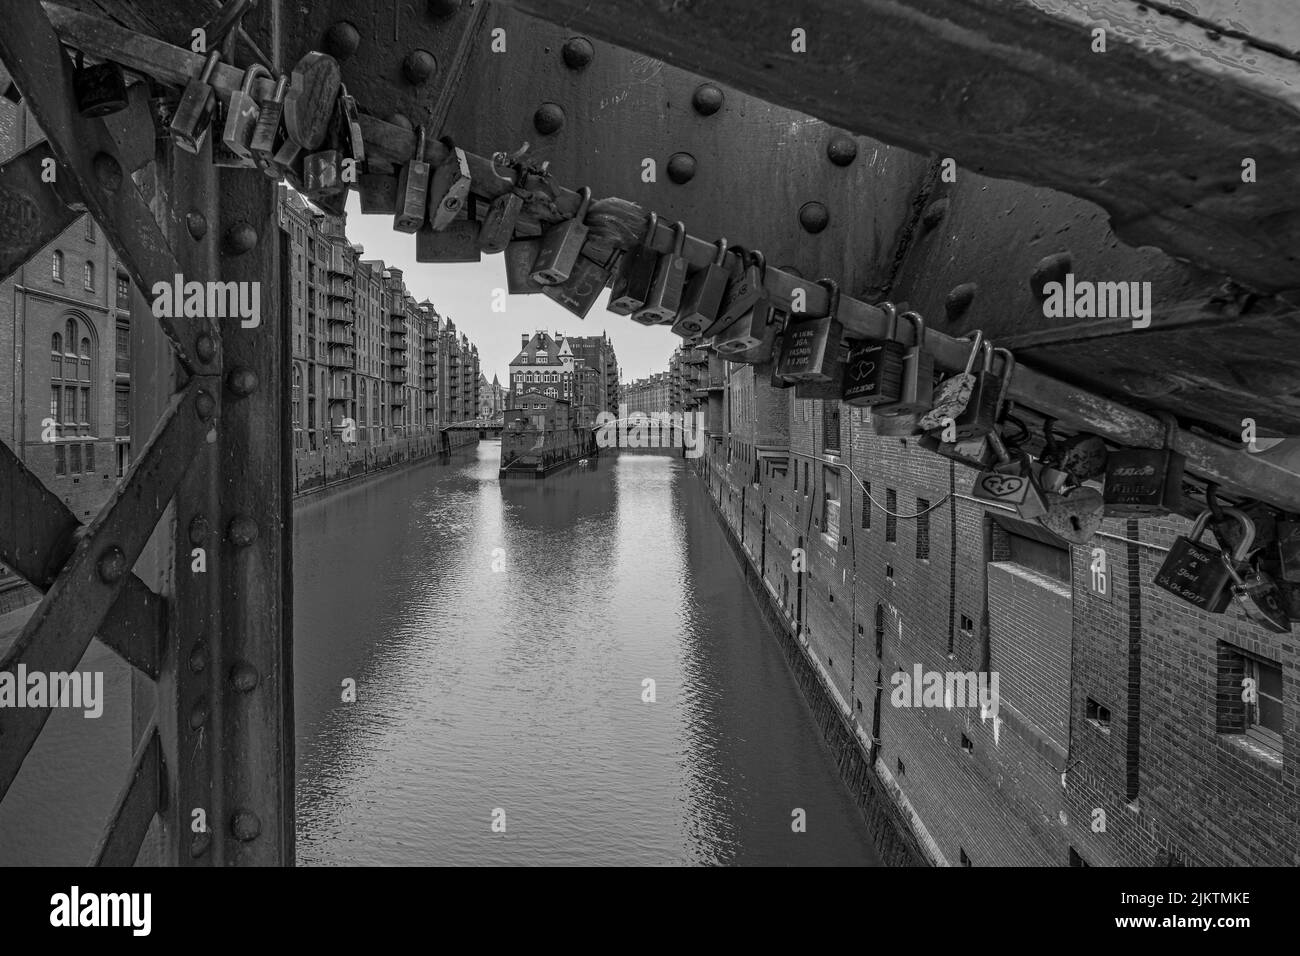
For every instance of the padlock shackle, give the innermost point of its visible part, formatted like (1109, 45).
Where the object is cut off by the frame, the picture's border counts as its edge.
(584, 202)
(252, 73)
(891, 312)
(1248, 530)
(918, 324)
(722, 252)
(1008, 367)
(833, 290)
(976, 344)
(679, 236)
(760, 261)
(281, 88)
(209, 67)
(651, 228)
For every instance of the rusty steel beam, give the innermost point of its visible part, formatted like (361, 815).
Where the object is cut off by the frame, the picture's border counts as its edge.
(38, 534)
(32, 212)
(56, 636)
(136, 806)
(87, 151)
(1154, 130)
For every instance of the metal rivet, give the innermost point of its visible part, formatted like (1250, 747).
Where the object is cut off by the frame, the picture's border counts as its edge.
(681, 168)
(108, 171)
(205, 405)
(548, 119)
(342, 40)
(242, 531)
(1051, 268)
(842, 150)
(205, 347)
(197, 224)
(112, 565)
(242, 380)
(578, 53)
(245, 825)
(240, 238)
(934, 213)
(199, 844)
(441, 9)
(707, 99)
(243, 676)
(199, 657)
(959, 300)
(199, 713)
(814, 217)
(419, 66)
(199, 530)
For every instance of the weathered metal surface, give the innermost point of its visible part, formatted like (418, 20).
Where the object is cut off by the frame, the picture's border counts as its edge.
(58, 632)
(135, 808)
(1154, 130)
(32, 213)
(38, 534)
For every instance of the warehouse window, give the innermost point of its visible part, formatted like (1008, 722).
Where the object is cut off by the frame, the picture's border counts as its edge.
(1031, 546)
(866, 504)
(891, 509)
(923, 529)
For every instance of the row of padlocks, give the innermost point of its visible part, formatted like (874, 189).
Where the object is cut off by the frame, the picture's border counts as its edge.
(725, 307)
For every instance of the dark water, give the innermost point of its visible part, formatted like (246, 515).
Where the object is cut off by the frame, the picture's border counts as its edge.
(520, 689)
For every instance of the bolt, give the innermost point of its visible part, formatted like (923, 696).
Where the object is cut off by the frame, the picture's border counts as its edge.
(548, 119)
(199, 657)
(814, 217)
(934, 213)
(197, 224)
(242, 531)
(842, 150)
(108, 171)
(245, 825)
(205, 405)
(240, 238)
(578, 53)
(112, 565)
(205, 347)
(342, 40)
(1051, 268)
(419, 66)
(199, 713)
(199, 844)
(243, 676)
(959, 300)
(681, 168)
(707, 99)
(242, 380)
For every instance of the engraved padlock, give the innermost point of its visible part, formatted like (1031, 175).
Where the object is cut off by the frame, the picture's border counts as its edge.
(1145, 481)
(193, 116)
(1195, 572)
(916, 390)
(561, 245)
(502, 215)
(1011, 480)
(702, 300)
(987, 395)
(954, 392)
(267, 144)
(413, 190)
(449, 189)
(521, 255)
(579, 292)
(810, 346)
(874, 375)
(242, 113)
(666, 288)
(743, 291)
(99, 90)
(635, 275)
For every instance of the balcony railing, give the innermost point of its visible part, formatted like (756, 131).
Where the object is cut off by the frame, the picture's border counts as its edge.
(340, 287)
(397, 375)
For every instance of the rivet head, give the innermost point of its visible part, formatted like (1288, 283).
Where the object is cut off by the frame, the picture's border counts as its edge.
(199, 657)
(419, 66)
(205, 347)
(441, 9)
(112, 565)
(707, 99)
(814, 217)
(245, 825)
(199, 713)
(933, 214)
(342, 40)
(959, 300)
(108, 172)
(199, 844)
(842, 150)
(199, 530)
(549, 118)
(196, 224)
(205, 405)
(240, 238)
(242, 380)
(242, 531)
(578, 53)
(1051, 268)
(681, 168)
(243, 677)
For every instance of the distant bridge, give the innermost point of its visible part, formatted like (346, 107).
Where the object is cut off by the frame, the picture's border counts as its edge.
(484, 426)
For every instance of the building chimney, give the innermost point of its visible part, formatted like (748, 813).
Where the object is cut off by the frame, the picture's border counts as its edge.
(524, 337)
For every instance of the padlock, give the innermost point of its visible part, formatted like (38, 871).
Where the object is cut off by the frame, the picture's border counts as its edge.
(458, 242)
(1258, 595)
(636, 274)
(521, 254)
(562, 244)
(810, 348)
(242, 113)
(271, 148)
(449, 189)
(1083, 457)
(499, 223)
(1074, 515)
(1051, 476)
(874, 373)
(99, 90)
(916, 391)
(743, 292)
(378, 192)
(666, 288)
(580, 291)
(954, 392)
(1196, 572)
(413, 190)
(764, 324)
(322, 170)
(987, 395)
(354, 142)
(754, 331)
(974, 453)
(1010, 481)
(1288, 550)
(194, 113)
(1145, 481)
(702, 300)
(309, 102)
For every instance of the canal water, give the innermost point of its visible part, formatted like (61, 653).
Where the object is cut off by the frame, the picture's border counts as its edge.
(500, 637)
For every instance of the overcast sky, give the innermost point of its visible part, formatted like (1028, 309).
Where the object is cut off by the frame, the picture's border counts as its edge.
(463, 292)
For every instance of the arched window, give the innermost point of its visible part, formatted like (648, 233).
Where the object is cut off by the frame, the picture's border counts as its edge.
(72, 372)
(56, 266)
(90, 277)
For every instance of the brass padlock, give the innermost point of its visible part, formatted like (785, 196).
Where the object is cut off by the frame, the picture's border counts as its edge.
(666, 288)
(521, 254)
(198, 103)
(635, 276)
(917, 389)
(413, 190)
(810, 347)
(743, 292)
(580, 291)
(987, 395)
(268, 142)
(874, 375)
(502, 215)
(954, 392)
(449, 190)
(561, 245)
(378, 192)
(702, 300)
(242, 113)
(99, 90)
